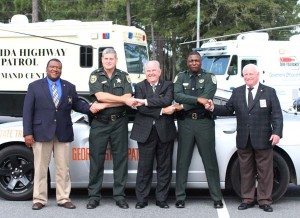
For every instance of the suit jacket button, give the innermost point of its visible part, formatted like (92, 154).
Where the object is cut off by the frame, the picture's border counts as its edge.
(54, 120)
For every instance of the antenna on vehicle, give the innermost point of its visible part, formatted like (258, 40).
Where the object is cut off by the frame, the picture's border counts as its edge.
(235, 34)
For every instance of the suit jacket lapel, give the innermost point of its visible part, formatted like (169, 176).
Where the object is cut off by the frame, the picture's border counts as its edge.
(158, 87)
(243, 96)
(45, 88)
(63, 91)
(259, 92)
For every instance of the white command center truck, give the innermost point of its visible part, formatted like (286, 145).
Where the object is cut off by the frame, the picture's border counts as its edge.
(278, 62)
(27, 47)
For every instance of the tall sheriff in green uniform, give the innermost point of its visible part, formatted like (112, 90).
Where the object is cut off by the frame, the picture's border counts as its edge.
(192, 88)
(111, 87)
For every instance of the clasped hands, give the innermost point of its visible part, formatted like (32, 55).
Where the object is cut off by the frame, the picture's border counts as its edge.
(207, 103)
(135, 102)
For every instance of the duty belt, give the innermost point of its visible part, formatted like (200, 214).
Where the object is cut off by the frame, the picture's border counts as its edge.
(105, 118)
(198, 115)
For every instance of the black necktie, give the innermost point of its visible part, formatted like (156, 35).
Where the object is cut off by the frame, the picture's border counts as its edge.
(193, 85)
(250, 96)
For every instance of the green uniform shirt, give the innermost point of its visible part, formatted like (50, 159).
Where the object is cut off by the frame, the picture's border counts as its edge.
(206, 87)
(119, 84)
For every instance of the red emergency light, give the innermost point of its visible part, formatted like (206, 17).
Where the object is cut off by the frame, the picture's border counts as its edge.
(105, 36)
(144, 37)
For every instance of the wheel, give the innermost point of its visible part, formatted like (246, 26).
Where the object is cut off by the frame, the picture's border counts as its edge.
(281, 177)
(16, 173)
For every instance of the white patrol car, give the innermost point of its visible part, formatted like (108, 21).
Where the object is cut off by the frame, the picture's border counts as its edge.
(17, 170)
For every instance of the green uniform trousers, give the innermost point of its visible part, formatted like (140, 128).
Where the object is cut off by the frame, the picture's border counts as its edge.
(115, 133)
(201, 131)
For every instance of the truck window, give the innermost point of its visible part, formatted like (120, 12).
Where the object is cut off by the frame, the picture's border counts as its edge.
(136, 57)
(86, 56)
(215, 64)
(232, 69)
(245, 62)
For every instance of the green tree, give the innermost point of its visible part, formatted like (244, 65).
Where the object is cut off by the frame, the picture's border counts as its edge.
(169, 23)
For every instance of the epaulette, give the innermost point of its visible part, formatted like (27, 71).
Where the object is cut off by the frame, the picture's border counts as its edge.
(206, 72)
(121, 71)
(97, 71)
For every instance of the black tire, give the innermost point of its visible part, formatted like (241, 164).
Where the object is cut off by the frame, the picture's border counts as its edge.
(16, 173)
(281, 177)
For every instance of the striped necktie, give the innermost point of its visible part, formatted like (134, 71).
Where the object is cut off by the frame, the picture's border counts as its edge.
(55, 94)
(153, 88)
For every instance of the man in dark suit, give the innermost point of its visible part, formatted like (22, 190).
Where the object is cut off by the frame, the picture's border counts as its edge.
(259, 129)
(47, 127)
(155, 131)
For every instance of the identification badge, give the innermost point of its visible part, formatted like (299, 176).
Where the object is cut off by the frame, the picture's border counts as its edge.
(263, 103)
(185, 84)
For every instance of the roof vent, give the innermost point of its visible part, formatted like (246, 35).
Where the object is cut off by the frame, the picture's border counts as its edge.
(254, 36)
(19, 19)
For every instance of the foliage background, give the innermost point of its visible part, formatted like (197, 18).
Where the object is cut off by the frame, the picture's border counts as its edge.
(168, 22)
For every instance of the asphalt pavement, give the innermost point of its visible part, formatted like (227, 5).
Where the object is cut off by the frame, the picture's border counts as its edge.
(198, 204)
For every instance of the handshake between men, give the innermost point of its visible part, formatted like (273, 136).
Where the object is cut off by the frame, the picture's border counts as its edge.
(136, 102)
(208, 103)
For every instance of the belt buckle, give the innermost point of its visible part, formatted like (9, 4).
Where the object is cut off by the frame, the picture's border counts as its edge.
(113, 117)
(194, 116)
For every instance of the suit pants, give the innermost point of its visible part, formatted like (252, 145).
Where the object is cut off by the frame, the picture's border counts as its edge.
(154, 148)
(260, 163)
(42, 154)
(201, 132)
(114, 133)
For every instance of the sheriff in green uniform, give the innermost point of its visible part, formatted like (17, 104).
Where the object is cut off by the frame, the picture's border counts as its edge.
(111, 87)
(192, 88)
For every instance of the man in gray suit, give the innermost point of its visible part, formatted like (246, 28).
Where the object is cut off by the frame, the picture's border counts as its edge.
(259, 129)
(155, 131)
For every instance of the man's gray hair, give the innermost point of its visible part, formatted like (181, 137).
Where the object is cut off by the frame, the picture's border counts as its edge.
(251, 66)
(153, 61)
(109, 51)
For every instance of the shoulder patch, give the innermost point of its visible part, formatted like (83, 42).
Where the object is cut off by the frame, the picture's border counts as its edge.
(214, 79)
(93, 79)
(128, 78)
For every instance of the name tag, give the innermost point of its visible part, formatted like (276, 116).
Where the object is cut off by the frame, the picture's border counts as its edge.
(185, 84)
(263, 103)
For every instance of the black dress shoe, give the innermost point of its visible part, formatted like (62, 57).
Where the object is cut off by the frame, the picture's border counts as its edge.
(218, 204)
(140, 205)
(162, 204)
(37, 206)
(244, 206)
(180, 204)
(266, 208)
(122, 204)
(92, 204)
